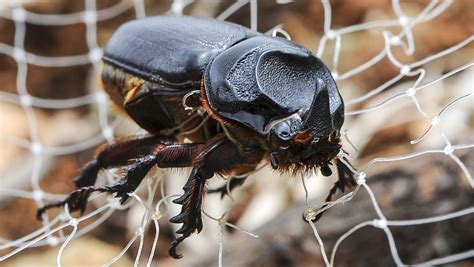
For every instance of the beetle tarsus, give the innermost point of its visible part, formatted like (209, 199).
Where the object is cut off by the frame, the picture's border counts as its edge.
(174, 245)
(345, 180)
(325, 170)
(76, 201)
(346, 176)
(226, 190)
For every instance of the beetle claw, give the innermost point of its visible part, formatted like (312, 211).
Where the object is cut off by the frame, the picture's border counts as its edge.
(76, 201)
(325, 170)
(274, 160)
(190, 215)
(172, 251)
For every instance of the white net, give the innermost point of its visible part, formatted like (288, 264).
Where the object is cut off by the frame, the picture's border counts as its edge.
(429, 91)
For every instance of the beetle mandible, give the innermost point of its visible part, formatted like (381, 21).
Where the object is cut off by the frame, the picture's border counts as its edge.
(241, 98)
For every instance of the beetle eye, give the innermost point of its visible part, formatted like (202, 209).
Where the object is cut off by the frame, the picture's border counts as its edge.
(296, 125)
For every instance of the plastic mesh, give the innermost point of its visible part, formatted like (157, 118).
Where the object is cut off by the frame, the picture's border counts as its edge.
(397, 35)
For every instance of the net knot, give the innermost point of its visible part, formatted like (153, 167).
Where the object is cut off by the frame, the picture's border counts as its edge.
(19, 54)
(139, 231)
(410, 91)
(36, 148)
(90, 16)
(95, 54)
(73, 222)
(380, 223)
(310, 215)
(37, 195)
(404, 70)
(221, 222)
(19, 15)
(26, 100)
(404, 20)
(156, 216)
(52, 241)
(108, 133)
(360, 179)
(448, 149)
(331, 34)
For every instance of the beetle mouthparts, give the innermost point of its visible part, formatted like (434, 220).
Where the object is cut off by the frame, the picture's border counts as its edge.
(318, 117)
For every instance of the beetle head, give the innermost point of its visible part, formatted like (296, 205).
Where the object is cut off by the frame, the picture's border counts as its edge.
(307, 138)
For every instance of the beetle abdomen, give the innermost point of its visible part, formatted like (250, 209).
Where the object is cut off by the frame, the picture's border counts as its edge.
(155, 108)
(149, 106)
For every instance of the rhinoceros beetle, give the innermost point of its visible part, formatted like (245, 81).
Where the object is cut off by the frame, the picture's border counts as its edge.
(241, 98)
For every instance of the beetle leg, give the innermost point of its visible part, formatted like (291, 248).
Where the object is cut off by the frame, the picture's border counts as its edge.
(345, 179)
(135, 174)
(150, 154)
(225, 189)
(164, 156)
(117, 154)
(77, 200)
(218, 155)
(346, 176)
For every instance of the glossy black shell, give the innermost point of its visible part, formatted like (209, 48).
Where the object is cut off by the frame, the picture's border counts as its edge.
(249, 78)
(171, 51)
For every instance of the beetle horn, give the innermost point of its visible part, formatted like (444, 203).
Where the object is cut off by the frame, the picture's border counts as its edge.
(318, 117)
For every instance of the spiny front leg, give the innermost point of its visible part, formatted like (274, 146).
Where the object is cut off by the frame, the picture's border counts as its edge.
(219, 154)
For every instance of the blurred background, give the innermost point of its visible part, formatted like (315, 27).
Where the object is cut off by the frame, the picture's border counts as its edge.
(53, 116)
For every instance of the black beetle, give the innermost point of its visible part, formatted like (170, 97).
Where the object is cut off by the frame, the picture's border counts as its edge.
(240, 97)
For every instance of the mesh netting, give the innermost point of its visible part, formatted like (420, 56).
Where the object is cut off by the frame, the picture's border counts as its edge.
(402, 97)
